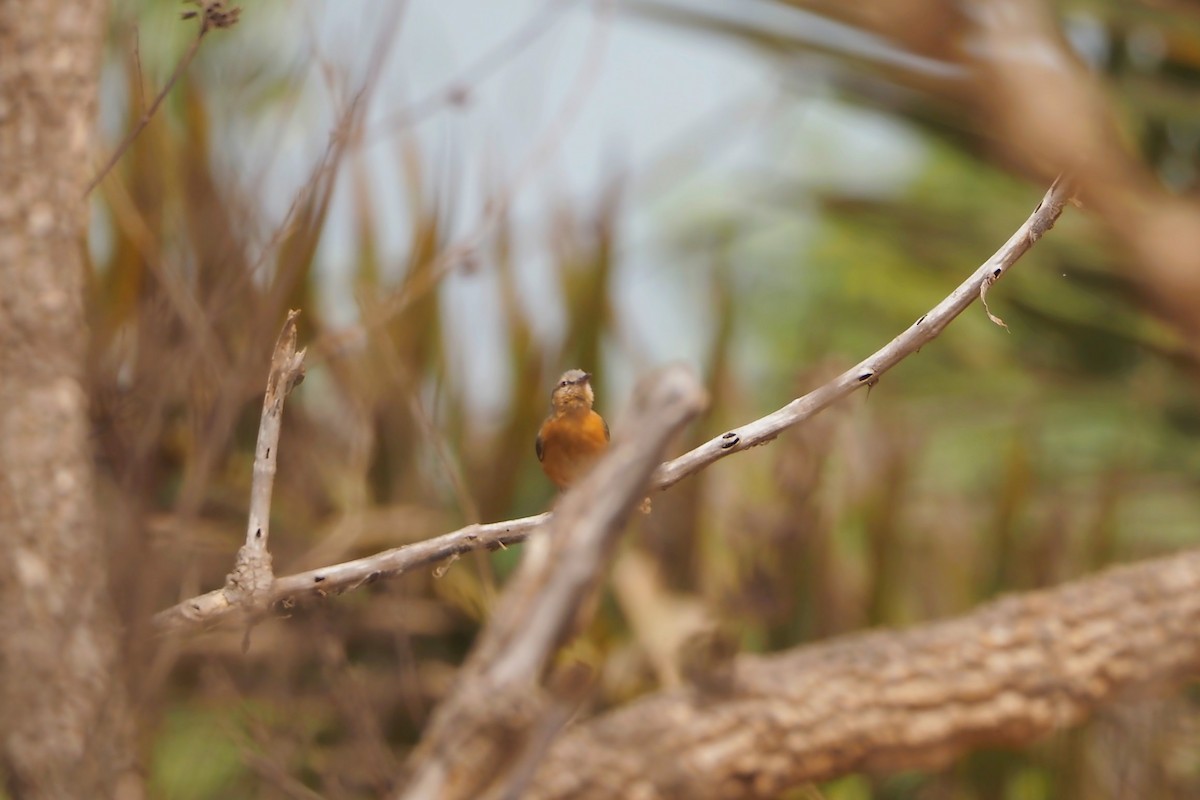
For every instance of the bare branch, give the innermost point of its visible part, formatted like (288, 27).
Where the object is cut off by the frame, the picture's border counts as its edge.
(212, 607)
(1006, 674)
(482, 735)
(868, 371)
(248, 586)
(212, 14)
(287, 370)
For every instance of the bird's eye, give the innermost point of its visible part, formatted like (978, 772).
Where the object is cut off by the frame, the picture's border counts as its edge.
(563, 383)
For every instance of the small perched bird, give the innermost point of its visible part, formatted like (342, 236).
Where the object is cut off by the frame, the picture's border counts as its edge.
(574, 435)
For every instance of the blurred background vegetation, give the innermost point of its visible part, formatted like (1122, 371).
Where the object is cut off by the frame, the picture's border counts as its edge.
(439, 308)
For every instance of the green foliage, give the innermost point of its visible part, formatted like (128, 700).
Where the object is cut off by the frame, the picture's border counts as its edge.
(197, 757)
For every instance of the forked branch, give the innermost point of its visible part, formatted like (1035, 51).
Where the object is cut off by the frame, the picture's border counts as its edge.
(212, 607)
(248, 588)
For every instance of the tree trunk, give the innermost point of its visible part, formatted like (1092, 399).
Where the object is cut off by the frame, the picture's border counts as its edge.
(64, 721)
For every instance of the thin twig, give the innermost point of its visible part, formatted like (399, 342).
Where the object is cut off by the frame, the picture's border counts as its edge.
(148, 114)
(287, 370)
(212, 607)
(212, 14)
(248, 586)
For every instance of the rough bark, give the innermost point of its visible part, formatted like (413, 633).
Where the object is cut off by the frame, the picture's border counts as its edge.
(62, 714)
(1006, 674)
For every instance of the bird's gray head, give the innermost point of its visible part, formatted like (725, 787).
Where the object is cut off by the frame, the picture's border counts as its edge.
(573, 392)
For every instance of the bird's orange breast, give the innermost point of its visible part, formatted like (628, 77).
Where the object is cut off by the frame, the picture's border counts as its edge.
(570, 444)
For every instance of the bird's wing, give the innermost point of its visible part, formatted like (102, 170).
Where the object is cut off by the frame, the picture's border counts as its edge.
(606, 436)
(541, 449)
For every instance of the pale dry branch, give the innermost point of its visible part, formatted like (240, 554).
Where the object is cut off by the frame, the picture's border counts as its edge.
(309, 203)
(211, 608)
(248, 587)
(486, 735)
(287, 370)
(868, 371)
(1003, 675)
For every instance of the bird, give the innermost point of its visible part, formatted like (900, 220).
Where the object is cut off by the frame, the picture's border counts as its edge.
(574, 435)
